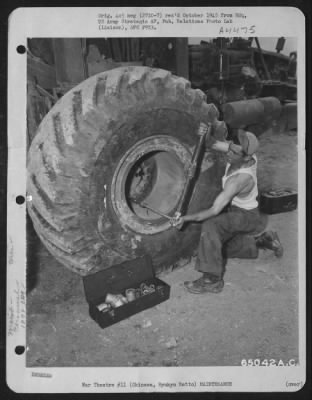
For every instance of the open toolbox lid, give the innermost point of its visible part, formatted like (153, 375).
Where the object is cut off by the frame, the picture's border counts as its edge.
(117, 278)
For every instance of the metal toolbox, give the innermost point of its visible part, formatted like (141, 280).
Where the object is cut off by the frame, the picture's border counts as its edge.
(278, 201)
(132, 274)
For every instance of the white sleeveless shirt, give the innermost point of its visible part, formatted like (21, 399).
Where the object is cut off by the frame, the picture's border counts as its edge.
(249, 201)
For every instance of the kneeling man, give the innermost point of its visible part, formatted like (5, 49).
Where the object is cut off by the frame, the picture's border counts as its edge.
(229, 225)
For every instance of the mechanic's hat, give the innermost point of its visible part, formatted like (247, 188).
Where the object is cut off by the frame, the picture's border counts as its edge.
(248, 141)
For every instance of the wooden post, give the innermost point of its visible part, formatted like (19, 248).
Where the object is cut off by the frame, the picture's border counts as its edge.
(267, 72)
(69, 61)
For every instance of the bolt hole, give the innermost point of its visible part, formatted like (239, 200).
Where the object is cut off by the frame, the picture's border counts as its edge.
(20, 199)
(19, 350)
(21, 49)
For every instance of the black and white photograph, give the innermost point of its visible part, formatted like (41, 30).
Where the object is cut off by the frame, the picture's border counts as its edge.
(161, 228)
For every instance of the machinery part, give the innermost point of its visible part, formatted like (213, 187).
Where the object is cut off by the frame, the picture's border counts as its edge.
(248, 112)
(247, 72)
(95, 145)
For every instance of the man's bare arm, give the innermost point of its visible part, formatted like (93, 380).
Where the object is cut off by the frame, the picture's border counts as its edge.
(232, 187)
(223, 146)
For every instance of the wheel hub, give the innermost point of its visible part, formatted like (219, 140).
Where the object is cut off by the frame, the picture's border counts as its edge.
(153, 171)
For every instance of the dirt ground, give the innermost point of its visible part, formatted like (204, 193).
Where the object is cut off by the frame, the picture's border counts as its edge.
(255, 316)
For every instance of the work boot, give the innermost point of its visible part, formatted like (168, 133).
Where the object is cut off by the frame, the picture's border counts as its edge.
(205, 284)
(270, 240)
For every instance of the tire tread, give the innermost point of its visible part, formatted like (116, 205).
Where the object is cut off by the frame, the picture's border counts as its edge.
(74, 132)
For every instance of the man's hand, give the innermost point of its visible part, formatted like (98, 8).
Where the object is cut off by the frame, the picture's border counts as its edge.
(177, 221)
(203, 128)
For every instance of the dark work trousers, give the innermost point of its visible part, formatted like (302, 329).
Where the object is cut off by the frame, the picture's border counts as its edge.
(228, 235)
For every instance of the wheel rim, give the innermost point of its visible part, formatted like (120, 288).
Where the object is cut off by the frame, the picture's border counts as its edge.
(152, 172)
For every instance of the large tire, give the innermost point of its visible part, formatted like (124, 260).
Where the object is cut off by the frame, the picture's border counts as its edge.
(83, 152)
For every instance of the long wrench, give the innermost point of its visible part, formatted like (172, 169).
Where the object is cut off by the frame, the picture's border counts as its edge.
(204, 131)
(144, 205)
